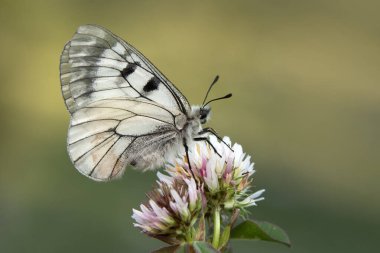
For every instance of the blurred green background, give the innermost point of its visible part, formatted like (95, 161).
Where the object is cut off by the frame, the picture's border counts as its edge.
(305, 78)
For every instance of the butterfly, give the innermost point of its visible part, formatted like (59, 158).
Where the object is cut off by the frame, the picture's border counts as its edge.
(124, 111)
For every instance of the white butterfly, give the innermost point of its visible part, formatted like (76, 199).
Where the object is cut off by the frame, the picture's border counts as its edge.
(124, 111)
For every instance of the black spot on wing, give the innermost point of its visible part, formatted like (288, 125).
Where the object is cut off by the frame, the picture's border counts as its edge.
(128, 70)
(152, 84)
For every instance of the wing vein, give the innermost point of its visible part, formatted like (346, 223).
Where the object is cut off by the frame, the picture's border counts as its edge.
(95, 91)
(93, 169)
(108, 131)
(141, 101)
(117, 160)
(94, 120)
(97, 145)
(135, 114)
(89, 78)
(94, 68)
(98, 57)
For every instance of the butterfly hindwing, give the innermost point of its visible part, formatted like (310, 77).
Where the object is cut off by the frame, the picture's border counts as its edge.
(96, 64)
(106, 135)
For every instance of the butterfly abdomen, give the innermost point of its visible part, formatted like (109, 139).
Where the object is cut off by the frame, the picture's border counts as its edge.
(157, 154)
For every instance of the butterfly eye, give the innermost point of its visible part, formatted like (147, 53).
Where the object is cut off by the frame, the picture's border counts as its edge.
(203, 114)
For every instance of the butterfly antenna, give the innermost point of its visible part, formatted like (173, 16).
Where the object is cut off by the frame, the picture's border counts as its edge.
(209, 88)
(224, 97)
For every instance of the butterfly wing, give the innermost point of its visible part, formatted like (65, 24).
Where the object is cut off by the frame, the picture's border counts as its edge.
(96, 64)
(106, 135)
(124, 110)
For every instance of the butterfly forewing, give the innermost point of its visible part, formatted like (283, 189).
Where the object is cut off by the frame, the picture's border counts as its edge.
(96, 64)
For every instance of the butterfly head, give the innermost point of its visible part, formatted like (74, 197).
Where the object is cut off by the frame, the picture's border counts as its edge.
(204, 114)
(200, 113)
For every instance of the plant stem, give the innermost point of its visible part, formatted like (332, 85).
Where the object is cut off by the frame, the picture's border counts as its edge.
(216, 236)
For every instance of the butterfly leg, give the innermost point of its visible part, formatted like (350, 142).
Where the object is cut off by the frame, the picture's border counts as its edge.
(208, 141)
(211, 130)
(188, 160)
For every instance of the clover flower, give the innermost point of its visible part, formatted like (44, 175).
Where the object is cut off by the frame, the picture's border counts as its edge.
(224, 173)
(171, 212)
(218, 179)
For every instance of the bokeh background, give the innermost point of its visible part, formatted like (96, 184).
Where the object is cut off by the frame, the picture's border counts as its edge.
(305, 78)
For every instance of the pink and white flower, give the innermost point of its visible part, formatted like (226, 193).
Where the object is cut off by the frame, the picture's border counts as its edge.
(222, 170)
(220, 178)
(172, 209)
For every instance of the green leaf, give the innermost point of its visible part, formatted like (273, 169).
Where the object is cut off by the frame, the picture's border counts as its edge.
(227, 249)
(194, 247)
(204, 247)
(260, 230)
